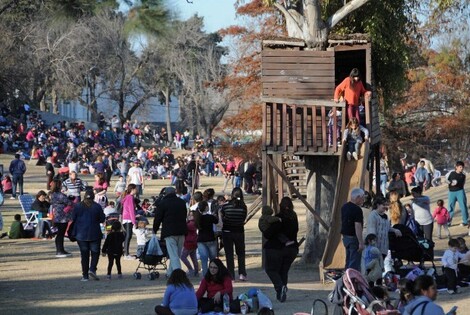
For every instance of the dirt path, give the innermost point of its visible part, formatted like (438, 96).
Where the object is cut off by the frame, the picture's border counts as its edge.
(33, 281)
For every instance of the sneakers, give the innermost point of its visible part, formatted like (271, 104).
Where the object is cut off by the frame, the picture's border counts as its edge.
(120, 276)
(108, 277)
(83, 279)
(355, 156)
(348, 156)
(451, 291)
(93, 275)
(129, 257)
(463, 224)
(242, 278)
(12, 198)
(63, 254)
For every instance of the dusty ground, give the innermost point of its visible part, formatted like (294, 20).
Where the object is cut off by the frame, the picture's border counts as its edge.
(33, 281)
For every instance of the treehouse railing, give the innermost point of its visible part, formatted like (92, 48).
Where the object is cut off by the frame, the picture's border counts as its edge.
(301, 126)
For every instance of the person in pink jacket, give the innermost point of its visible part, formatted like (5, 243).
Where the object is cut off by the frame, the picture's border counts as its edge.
(128, 216)
(442, 217)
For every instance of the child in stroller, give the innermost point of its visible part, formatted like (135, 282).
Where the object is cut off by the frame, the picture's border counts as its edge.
(352, 295)
(152, 259)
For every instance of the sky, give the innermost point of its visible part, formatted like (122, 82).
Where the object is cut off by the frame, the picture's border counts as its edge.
(217, 13)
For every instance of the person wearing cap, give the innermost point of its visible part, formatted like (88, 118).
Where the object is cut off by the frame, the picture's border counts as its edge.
(136, 177)
(171, 215)
(351, 89)
(87, 217)
(73, 186)
(17, 170)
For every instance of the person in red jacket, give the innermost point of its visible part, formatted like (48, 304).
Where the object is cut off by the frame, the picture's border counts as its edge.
(216, 283)
(351, 89)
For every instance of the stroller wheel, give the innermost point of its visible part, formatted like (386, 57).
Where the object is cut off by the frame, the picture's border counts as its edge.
(137, 275)
(319, 307)
(152, 276)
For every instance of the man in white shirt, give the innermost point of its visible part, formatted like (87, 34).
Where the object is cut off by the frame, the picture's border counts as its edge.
(136, 176)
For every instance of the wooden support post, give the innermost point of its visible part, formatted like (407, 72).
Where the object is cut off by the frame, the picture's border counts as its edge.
(305, 128)
(299, 195)
(294, 127)
(284, 128)
(323, 129)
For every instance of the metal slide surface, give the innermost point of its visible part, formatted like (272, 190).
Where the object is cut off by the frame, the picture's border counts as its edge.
(351, 175)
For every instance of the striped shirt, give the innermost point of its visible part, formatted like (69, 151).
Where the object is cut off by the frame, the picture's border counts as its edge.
(233, 218)
(73, 189)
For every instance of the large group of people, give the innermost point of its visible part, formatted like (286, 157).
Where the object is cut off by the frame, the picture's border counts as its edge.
(194, 223)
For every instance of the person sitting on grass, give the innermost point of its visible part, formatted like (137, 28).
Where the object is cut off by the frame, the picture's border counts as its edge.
(179, 297)
(216, 283)
(16, 229)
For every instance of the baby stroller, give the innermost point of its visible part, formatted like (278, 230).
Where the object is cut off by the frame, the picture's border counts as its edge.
(352, 295)
(409, 247)
(152, 259)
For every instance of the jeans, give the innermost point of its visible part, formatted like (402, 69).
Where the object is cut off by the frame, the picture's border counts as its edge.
(174, 246)
(455, 196)
(16, 180)
(383, 184)
(87, 247)
(353, 256)
(207, 251)
(238, 181)
(277, 265)
(237, 239)
(353, 146)
(210, 168)
(127, 240)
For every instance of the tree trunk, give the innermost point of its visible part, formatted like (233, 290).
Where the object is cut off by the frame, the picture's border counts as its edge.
(42, 104)
(166, 93)
(55, 102)
(307, 23)
(321, 187)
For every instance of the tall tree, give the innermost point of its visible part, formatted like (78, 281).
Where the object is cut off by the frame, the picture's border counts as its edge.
(195, 58)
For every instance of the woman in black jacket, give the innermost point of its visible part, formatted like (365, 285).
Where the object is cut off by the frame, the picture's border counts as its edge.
(281, 247)
(41, 204)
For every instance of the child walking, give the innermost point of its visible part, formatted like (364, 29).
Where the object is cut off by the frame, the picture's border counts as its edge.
(141, 234)
(113, 248)
(190, 246)
(449, 265)
(442, 217)
(373, 261)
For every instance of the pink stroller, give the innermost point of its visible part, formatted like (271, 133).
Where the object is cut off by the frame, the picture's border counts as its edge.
(353, 295)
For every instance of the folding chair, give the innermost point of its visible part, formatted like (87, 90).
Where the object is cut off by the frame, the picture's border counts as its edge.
(31, 216)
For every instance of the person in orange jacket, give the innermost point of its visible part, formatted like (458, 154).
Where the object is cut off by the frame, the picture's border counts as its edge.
(351, 89)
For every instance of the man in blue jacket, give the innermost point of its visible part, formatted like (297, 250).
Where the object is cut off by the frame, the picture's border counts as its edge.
(17, 170)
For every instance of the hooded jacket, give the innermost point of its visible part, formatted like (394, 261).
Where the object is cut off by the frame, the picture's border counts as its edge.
(427, 307)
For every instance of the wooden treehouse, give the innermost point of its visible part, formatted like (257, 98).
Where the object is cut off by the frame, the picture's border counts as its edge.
(297, 89)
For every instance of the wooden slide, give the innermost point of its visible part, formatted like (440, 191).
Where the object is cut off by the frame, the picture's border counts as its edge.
(351, 174)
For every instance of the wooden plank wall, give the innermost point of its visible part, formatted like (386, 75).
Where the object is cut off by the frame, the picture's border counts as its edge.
(298, 74)
(375, 122)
